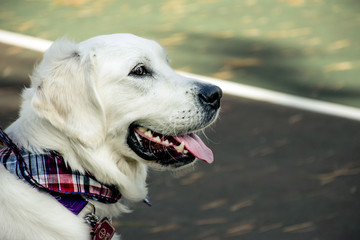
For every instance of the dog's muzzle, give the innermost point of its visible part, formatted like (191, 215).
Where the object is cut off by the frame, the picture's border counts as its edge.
(181, 149)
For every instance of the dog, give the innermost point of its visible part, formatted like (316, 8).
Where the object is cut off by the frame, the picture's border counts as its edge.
(105, 109)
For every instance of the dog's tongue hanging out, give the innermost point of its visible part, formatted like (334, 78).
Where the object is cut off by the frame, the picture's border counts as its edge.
(196, 146)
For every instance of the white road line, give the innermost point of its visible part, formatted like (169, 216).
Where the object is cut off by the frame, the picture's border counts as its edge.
(264, 95)
(235, 89)
(24, 41)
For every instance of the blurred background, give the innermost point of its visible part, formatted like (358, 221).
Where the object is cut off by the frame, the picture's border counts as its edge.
(279, 173)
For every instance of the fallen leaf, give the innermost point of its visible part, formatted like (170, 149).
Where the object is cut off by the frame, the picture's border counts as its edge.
(298, 227)
(210, 221)
(342, 66)
(239, 230)
(165, 228)
(214, 204)
(240, 205)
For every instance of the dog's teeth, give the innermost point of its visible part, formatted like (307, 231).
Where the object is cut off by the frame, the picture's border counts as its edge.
(180, 148)
(138, 137)
(148, 133)
(157, 139)
(142, 129)
(166, 143)
(186, 151)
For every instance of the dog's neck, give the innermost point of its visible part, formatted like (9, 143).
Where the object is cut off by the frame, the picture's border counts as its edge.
(37, 134)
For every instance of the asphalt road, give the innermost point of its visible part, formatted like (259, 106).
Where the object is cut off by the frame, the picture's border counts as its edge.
(279, 173)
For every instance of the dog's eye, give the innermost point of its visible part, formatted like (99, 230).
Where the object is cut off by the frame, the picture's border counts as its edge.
(139, 71)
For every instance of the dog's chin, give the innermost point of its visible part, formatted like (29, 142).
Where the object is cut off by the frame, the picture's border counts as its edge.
(164, 151)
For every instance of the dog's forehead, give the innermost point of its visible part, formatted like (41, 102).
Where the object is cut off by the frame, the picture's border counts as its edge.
(121, 42)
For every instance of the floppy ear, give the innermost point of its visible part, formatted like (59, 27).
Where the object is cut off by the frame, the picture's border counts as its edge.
(65, 93)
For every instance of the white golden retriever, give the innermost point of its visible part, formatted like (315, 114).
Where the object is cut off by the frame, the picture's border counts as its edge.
(110, 106)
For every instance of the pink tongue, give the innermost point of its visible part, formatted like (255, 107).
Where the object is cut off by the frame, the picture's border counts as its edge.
(194, 144)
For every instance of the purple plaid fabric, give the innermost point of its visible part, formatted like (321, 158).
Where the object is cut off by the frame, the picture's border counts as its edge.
(50, 172)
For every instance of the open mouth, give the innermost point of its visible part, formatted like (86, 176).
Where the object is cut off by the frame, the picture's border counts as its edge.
(167, 150)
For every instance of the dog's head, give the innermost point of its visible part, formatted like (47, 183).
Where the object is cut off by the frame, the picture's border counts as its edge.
(120, 89)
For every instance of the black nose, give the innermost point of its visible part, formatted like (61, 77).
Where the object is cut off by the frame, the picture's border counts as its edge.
(210, 95)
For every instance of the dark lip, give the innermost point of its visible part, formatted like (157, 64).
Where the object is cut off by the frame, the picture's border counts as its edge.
(154, 152)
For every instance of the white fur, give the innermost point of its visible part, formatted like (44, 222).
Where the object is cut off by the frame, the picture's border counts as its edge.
(80, 104)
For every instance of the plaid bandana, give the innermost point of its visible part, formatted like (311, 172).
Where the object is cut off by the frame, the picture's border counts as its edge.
(50, 172)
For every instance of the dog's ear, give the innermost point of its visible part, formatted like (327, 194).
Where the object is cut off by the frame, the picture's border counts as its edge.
(66, 95)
